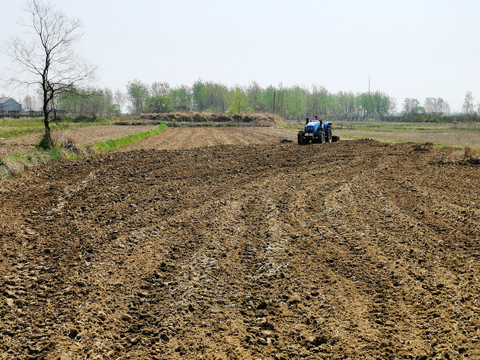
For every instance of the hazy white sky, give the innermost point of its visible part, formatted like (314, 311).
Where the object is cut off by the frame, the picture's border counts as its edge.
(409, 48)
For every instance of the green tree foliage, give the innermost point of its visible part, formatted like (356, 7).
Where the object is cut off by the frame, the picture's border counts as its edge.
(293, 102)
(181, 99)
(268, 100)
(215, 98)
(281, 101)
(296, 102)
(137, 93)
(317, 101)
(238, 102)
(255, 97)
(159, 104)
(199, 92)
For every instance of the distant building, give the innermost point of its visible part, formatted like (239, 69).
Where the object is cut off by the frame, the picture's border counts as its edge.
(9, 105)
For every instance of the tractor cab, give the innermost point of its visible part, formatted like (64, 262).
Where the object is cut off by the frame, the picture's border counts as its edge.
(313, 126)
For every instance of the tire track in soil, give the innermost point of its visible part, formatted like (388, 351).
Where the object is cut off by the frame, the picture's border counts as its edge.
(351, 249)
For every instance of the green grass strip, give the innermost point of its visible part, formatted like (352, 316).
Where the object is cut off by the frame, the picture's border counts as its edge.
(113, 144)
(18, 162)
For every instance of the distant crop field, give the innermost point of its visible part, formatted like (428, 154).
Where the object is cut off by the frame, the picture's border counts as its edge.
(10, 128)
(448, 134)
(18, 127)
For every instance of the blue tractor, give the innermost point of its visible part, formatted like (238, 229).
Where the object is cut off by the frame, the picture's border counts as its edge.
(316, 131)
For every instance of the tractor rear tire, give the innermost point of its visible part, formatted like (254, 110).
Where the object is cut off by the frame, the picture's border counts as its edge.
(300, 138)
(321, 139)
(329, 135)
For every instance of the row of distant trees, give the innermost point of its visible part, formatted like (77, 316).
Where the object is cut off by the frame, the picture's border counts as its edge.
(435, 110)
(292, 102)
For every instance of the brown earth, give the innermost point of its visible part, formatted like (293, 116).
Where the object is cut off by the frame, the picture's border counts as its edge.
(192, 137)
(355, 249)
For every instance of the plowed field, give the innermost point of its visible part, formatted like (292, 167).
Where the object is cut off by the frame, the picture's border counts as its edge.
(189, 138)
(254, 250)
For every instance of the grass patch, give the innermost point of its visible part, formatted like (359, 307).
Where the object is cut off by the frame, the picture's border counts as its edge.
(19, 162)
(21, 123)
(126, 140)
(18, 127)
(441, 146)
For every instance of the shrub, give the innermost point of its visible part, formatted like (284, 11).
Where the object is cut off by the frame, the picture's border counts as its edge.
(469, 153)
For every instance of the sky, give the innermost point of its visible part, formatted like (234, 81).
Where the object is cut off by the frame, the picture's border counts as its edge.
(408, 49)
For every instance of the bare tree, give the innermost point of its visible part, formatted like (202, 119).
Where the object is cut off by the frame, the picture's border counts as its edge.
(47, 59)
(467, 107)
(411, 106)
(28, 103)
(119, 99)
(436, 106)
(159, 88)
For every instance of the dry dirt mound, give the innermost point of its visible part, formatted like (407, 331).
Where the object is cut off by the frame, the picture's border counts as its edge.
(346, 250)
(193, 117)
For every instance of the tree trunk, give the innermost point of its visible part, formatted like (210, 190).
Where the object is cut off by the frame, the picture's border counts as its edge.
(46, 142)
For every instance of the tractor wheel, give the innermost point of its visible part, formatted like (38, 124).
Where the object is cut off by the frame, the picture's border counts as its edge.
(321, 139)
(300, 139)
(329, 134)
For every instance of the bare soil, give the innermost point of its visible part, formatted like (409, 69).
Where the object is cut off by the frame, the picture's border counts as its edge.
(193, 137)
(253, 250)
(459, 138)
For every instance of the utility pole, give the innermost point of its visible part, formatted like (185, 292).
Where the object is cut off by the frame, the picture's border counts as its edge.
(274, 103)
(369, 84)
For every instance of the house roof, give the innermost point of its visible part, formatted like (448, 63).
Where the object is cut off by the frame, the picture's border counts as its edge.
(3, 100)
